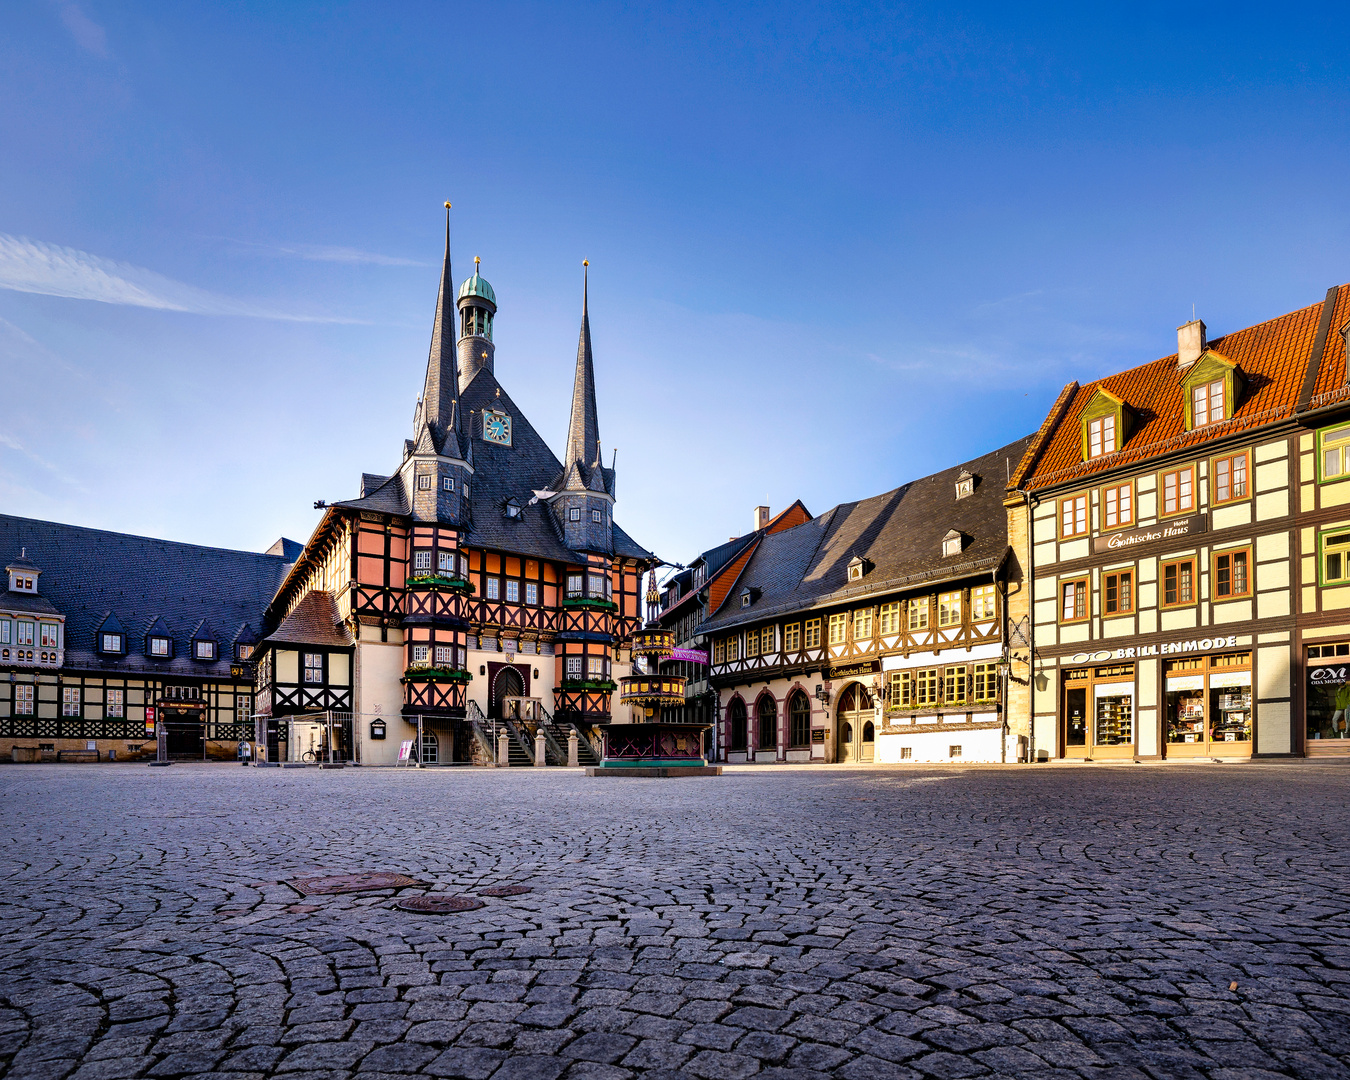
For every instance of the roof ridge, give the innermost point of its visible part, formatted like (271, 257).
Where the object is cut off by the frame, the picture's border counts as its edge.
(139, 536)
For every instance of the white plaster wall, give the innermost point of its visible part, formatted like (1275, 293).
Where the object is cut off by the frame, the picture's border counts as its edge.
(379, 666)
(983, 745)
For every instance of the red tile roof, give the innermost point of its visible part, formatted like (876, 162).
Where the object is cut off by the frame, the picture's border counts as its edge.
(1274, 356)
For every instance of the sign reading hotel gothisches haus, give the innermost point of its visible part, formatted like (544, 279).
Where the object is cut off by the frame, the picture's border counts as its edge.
(1175, 529)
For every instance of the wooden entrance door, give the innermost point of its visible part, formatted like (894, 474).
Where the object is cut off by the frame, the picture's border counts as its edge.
(508, 684)
(855, 718)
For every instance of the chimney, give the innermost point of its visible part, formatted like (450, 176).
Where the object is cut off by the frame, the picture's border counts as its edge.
(1190, 343)
(761, 517)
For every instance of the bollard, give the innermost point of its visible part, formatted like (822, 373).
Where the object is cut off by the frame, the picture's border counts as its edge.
(503, 750)
(572, 759)
(539, 758)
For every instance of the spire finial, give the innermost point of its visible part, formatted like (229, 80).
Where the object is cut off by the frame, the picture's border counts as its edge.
(476, 261)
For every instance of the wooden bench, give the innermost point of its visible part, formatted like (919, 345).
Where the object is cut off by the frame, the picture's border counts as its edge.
(87, 757)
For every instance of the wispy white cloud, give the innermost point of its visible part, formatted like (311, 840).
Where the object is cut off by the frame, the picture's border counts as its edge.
(88, 35)
(34, 267)
(327, 253)
(11, 442)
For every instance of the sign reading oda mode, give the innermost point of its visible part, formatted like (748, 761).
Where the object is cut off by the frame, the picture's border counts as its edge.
(1165, 648)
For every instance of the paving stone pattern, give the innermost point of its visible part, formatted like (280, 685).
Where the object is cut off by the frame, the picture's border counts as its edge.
(1037, 921)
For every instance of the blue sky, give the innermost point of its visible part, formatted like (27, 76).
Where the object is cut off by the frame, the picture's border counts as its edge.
(833, 247)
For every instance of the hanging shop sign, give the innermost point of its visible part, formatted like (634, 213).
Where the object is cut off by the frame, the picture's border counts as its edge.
(1174, 529)
(690, 656)
(1164, 648)
(867, 667)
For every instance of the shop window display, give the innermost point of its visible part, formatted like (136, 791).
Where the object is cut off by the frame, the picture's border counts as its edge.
(1099, 711)
(1209, 704)
(1328, 708)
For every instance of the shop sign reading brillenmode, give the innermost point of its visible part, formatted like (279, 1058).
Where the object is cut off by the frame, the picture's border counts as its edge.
(1174, 529)
(1165, 648)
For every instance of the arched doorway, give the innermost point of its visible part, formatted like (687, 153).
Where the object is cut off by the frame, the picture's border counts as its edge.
(857, 735)
(507, 684)
(736, 726)
(768, 723)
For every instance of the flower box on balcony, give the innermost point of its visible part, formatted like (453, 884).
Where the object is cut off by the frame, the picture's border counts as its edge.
(439, 581)
(607, 685)
(596, 602)
(419, 673)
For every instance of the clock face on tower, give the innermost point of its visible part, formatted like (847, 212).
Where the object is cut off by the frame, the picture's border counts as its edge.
(497, 427)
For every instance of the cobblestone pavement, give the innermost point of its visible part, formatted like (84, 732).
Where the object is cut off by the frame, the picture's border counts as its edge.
(1038, 921)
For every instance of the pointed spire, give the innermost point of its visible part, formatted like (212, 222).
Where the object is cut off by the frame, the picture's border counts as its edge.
(440, 394)
(583, 432)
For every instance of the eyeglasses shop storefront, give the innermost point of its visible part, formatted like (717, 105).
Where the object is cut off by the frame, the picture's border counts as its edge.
(1190, 698)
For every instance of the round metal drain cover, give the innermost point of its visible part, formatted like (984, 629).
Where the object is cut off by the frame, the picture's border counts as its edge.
(505, 890)
(332, 884)
(438, 905)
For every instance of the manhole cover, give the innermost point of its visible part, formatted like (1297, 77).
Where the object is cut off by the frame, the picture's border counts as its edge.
(345, 883)
(438, 905)
(505, 890)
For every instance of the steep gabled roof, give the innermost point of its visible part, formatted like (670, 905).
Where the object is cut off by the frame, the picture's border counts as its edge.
(898, 534)
(313, 621)
(440, 390)
(1276, 357)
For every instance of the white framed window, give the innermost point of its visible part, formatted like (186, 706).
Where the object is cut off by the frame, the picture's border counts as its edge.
(512, 592)
(419, 654)
(494, 588)
(242, 708)
(949, 609)
(4, 631)
(205, 650)
(447, 483)
(23, 699)
(1101, 436)
(70, 701)
(982, 602)
(531, 593)
(159, 646)
(422, 560)
(243, 651)
(50, 635)
(837, 629)
(862, 624)
(597, 516)
(424, 482)
(110, 643)
(1207, 405)
(114, 703)
(445, 560)
(574, 513)
(596, 584)
(595, 667)
(444, 655)
(574, 582)
(313, 667)
(574, 667)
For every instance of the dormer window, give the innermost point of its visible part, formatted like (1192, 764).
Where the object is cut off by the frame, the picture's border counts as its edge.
(111, 643)
(447, 483)
(857, 568)
(1207, 403)
(203, 650)
(512, 508)
(749, 596)
(1106, 421)
(1212, 389)
(965, 484)
(424, 482)
(160, 646)
(574, 513)
(1101, 436)
(952, 544)
(243, 651)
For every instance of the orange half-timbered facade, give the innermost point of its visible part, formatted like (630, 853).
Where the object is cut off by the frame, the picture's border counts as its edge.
(482, 571)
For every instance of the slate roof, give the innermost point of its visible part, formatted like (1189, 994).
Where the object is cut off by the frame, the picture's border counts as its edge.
(388, 497)
(88, 574)
(899, 532)
(314, 621)
(1291, 362)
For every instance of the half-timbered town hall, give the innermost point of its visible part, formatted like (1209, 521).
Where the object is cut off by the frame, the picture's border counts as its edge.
(478, 575)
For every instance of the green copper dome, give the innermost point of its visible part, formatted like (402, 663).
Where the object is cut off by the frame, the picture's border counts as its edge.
(478, 286)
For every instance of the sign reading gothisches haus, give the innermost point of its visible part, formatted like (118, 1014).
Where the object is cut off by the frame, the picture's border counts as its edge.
(1175, 529)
